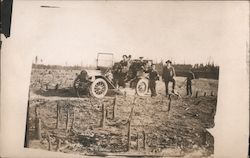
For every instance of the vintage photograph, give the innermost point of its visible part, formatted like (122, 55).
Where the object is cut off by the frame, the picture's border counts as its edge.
(124, 79)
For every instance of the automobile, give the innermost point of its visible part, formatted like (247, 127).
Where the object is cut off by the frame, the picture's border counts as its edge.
(107, 76)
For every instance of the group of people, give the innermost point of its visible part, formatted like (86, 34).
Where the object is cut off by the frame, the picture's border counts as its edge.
(125, 71)
(168, 74)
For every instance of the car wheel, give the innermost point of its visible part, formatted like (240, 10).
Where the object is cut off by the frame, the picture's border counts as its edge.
(142, 87)
(99, 88)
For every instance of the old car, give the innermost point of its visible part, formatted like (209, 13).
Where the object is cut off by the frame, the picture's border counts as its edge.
(109, 76)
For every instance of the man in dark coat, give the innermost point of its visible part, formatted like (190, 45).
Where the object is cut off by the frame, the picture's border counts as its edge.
(168, 76)
(153, 77)
(82, 81)
(190, 77)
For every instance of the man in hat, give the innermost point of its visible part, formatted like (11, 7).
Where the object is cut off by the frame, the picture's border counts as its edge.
(141, 64)
(153, 77)
(168, 75)
(124, 61)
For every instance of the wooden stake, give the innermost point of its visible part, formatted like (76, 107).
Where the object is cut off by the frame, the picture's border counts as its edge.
(67, 119)
(144, 139)
(103, 115)
(114, 107)
(196, 95)
(129, 135)
(57, 116)
(73, 120)
(38, 128)
(129, 127)
(49, 142)
(212, 93)
(137, 142)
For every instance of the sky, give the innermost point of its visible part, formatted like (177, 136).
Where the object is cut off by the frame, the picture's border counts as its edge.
(187, 32)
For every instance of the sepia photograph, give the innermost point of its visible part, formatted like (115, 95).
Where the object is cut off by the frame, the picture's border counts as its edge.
(133, 86)
(126, 79)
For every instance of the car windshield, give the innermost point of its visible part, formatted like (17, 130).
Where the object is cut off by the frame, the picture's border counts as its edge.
(105, 60)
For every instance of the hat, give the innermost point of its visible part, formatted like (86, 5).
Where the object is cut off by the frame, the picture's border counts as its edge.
(125, 56)
(129, 56)
(140, 57)
(168, 61)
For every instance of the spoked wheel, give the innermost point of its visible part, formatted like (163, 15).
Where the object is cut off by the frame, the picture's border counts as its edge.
(99, 88)
(142, 87)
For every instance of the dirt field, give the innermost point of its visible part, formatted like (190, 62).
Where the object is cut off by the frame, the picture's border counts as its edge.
(159, 126)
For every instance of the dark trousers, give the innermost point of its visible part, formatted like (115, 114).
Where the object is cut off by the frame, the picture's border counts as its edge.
(189, 88)
(167, 82)
(152, 84)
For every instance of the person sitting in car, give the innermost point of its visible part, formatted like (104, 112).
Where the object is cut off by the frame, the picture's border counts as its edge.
(124, 70)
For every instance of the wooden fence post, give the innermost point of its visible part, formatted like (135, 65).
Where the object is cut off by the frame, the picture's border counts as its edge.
(103, 115)
(38, 128)
(196, 95)
(114, 107)
(129, 127)
(57, 116)
(73, 119)
(144, 139)
(67, 120)
(49, 142)
(205, 94)
(212, 93)
(137, 141)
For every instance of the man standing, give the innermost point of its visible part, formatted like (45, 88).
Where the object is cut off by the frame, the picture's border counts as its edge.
(168, 75)
(189, 79)
(153, 77)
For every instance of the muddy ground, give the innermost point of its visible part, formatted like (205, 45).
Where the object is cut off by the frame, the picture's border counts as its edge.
(157, 127)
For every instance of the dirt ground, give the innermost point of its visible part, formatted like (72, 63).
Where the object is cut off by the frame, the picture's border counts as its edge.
(159, 126)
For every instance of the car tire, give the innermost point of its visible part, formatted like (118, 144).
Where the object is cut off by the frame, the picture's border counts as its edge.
(99, 88)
